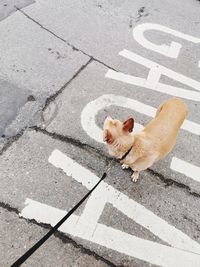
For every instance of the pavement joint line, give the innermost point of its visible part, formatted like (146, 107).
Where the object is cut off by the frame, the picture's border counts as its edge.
(63, 40)
(53, 97)
(171, 182)
(9, 208)
(63, 237)
(11, 140)
(50, 99)
(89, 148)
(3, 147)
(73, 141)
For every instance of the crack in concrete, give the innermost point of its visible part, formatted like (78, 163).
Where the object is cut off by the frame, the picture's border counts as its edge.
(89, 148)
(52, 97)
(63, 237)
(11, 140)
(98, 153)
(75, 142)
(63, 40)
(49, 99)
(171, 182)
(78, 143)
(67, 240)
(9, 208)
(141, 13)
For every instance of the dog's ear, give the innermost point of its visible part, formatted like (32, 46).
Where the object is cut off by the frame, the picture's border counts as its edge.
(107, 137)
(128, 125)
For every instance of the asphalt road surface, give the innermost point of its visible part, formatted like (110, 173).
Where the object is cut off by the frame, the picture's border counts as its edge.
(64, 66)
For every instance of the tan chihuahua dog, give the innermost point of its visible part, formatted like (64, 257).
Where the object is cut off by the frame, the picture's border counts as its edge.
(139, 151)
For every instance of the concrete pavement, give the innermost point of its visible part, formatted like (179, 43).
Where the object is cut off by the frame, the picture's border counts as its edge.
(64, 67)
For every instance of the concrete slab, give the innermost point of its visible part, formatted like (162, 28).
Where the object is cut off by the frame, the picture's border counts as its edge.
(73, 120)
(11, 100)
(18, 235)
(35, 65)
(44, 64)
(28, 172)
(103, 29)
(9, 7)
(2, 143)
(154, 222)
(37, 178)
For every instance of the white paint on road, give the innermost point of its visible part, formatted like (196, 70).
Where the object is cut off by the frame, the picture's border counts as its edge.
(186, 168)
(91, 110)
(152, 81)
(184, 250)
(160, 69)
(113, 239)
(171, 51)
(129, 207)
(71, 168)
(162, 88)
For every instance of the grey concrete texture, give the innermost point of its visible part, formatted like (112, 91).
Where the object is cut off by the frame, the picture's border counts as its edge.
(11, 100)
(54, 56)
(17, 235)
(29, 57)
(103, 28)
(8, 7)
(26, 173)
(67, 122)
(2, 144)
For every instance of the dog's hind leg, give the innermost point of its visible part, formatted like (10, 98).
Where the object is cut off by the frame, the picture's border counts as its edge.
(135, 176)
(142, 164)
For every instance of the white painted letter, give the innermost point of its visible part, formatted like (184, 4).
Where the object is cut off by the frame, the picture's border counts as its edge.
(91, 110)
(152, 81)
(171, 51)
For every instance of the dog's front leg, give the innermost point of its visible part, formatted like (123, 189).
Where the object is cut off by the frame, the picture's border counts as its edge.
(124, 166)
(135, 176)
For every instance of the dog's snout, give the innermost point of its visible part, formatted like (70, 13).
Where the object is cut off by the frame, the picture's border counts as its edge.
(108, 119)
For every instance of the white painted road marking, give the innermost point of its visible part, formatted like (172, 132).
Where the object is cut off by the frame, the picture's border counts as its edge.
(184, 250)
(171, 51)
(162, 88)
(152, 81)
(126, 205)
(91, 110)
(159, 70)
(111, 238)
(186, 168)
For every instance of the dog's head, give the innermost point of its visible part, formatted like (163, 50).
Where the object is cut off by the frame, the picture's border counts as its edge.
(117, 135)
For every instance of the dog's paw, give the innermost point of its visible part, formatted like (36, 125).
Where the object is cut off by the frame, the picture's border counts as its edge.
(124, 166)
(135, 176)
